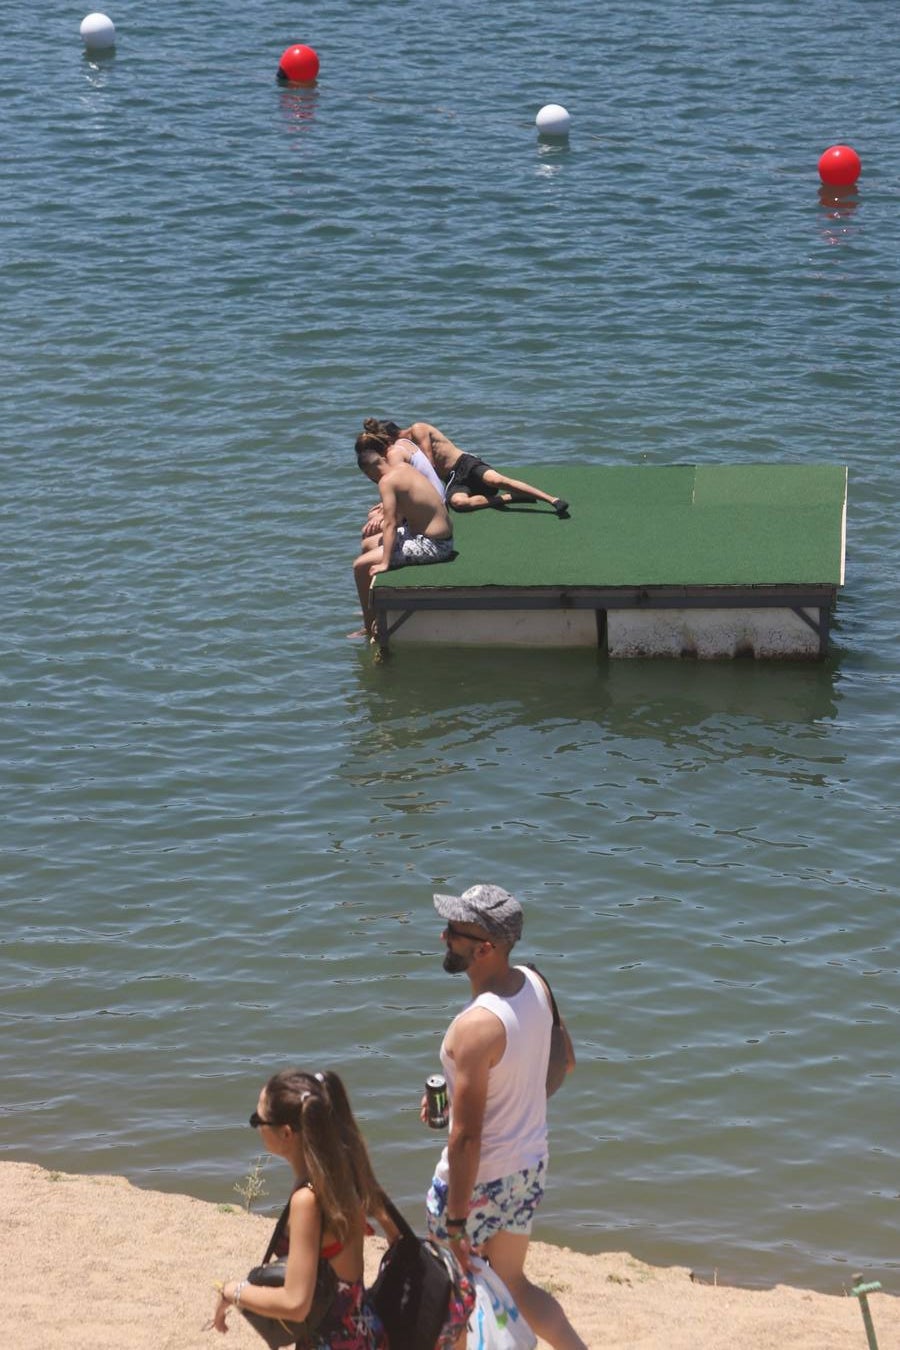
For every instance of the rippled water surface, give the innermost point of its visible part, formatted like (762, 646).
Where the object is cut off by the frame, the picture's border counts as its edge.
(221, 823)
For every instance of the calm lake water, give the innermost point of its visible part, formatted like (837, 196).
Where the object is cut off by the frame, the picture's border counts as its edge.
(221, 823)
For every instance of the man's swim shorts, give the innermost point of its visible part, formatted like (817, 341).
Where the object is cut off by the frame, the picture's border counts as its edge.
(418, 548)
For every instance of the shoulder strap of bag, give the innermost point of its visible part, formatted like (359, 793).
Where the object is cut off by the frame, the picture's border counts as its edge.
(277, 1234)
(397, 1218)
(281, 1225)
(553, 1007)
(390, 1208)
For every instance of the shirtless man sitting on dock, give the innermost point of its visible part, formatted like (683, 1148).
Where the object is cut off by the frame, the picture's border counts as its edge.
(416, 527)
(471, 483)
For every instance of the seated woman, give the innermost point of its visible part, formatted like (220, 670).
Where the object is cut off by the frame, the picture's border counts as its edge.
(306, 1119)
(385, 439)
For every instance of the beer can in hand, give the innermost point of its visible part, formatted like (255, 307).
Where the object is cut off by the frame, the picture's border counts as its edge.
(438, 1102)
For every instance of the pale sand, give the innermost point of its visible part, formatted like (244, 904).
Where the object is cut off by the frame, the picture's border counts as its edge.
(93, 1263)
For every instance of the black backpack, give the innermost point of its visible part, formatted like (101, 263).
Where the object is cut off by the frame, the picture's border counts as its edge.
(421, 1293)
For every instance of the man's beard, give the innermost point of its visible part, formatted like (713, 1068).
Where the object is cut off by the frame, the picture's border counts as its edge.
(455, 963)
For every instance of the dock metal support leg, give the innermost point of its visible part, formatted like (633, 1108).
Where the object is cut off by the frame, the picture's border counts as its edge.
(600, 616)
(383, 632)
(820, 629)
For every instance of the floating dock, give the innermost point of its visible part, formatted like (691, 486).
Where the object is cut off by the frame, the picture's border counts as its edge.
(707, 561)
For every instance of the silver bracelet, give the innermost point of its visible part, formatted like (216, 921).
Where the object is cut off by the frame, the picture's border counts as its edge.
(238, 1290)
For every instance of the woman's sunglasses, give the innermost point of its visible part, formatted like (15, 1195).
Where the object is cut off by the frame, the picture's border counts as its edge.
(256, 1120)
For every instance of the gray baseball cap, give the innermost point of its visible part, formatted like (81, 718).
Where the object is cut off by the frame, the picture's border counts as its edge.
(490, 907)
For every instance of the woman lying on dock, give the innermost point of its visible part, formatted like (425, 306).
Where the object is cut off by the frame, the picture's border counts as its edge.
(470, 482)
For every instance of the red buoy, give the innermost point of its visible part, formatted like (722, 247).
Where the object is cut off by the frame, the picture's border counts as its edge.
(298, 64)
(839, 166)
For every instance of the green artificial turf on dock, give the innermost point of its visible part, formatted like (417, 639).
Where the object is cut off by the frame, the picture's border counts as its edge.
(684, 525)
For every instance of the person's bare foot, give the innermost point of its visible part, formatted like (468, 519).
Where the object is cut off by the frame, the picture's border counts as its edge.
(357, 633)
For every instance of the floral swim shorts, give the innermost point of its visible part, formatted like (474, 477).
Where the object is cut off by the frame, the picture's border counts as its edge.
(507, 1205)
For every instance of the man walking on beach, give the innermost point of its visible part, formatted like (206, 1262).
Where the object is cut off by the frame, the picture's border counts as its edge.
(490, 1178)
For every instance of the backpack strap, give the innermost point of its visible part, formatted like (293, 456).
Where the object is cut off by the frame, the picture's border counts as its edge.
(279, 1230)
(277, 1234)
(397, 1218)
(553, 1007)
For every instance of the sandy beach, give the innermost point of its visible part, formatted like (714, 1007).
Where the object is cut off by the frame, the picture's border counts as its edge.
(93, 1263)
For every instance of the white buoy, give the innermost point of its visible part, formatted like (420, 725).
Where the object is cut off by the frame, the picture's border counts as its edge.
(553, 120)
(98, 32)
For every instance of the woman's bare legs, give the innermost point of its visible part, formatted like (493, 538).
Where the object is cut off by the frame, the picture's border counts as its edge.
(514, 489)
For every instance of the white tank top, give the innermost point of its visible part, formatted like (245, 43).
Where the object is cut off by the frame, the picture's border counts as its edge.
(514, 1132)
(421, 462)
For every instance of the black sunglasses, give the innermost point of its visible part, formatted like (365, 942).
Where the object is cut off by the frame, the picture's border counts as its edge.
(454, 932)
(256, 1120)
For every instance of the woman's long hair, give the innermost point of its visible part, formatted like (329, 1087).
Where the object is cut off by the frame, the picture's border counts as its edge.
(335, 1152)
(377, 435)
